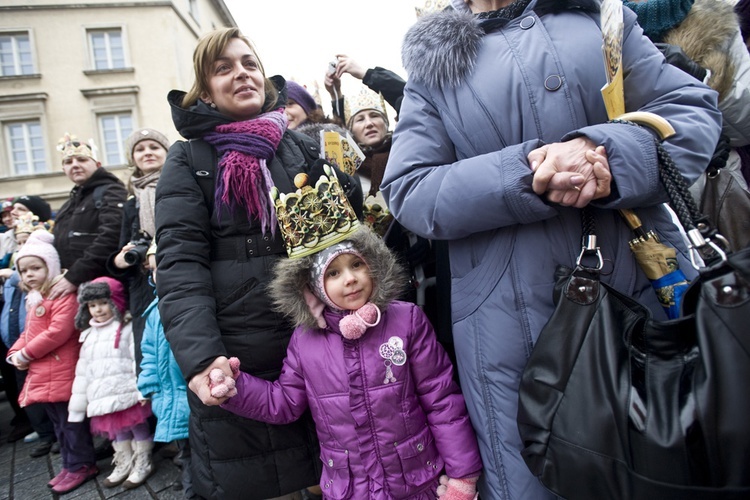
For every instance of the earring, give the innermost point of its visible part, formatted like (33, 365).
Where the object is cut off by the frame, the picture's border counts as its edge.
(212, 104)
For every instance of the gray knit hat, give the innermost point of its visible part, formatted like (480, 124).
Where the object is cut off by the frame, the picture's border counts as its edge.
(142, 135)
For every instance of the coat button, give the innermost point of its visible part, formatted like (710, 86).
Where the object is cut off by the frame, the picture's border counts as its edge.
(250, 252)
(420, 447)
(265, 238)
(330, 462)
(250, 240)
(527, 22)
(553, 82)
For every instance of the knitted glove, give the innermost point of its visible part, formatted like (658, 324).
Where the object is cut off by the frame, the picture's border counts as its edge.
(221, 385)
(677, 58)
(457, 489)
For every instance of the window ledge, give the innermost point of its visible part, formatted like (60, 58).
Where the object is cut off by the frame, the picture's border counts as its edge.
(33, 76)
(94, 72)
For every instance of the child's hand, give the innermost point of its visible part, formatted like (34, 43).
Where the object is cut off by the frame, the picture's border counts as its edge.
(457, 489)
(143, 402)
(200, 383)
(221, 385)
(20, 361)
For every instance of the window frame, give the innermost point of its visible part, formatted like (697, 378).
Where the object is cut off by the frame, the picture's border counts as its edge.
(107, 29)
(120, 143)
(14, 33)
(31, 159)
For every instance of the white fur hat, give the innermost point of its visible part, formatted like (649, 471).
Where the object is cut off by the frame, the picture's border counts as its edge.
(40, 244)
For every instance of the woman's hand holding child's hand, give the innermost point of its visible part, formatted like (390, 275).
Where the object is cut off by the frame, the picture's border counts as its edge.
(221, 385)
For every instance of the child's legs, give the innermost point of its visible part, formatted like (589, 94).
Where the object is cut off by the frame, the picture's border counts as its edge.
(141, 432)
(187, 477)
(76, 444)
(123, 435)
(54, 417)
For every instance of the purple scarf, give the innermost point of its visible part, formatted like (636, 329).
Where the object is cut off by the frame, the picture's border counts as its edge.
(243, 178)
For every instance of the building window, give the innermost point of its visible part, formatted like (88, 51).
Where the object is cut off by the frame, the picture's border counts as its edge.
(107, 51)
(115, 128)
(15, 54)
(26, 147)
(193, 9)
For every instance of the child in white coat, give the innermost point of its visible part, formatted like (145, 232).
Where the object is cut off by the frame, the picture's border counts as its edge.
(105, 384)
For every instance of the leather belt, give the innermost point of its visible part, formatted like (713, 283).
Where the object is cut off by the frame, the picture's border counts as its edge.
(242, 248)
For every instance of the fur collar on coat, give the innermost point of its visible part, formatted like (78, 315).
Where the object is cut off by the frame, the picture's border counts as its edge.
(439, 50)
(705, 36)
(291, 276)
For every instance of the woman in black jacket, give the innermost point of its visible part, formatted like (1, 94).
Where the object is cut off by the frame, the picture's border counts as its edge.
(217, 242)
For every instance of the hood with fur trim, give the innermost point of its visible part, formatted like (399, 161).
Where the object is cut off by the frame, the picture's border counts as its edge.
(439, 50)
(706, 36)
(292, 277)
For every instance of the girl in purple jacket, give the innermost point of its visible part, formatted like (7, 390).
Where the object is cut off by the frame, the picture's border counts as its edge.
(390, 418)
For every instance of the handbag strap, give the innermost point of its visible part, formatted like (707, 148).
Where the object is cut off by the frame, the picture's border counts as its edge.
(704, 238)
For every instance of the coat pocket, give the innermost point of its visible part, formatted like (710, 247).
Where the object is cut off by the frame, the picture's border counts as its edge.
(336, 480)
(420, 460)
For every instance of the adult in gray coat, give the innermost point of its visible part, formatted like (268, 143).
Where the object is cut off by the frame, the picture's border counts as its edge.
(503, 112)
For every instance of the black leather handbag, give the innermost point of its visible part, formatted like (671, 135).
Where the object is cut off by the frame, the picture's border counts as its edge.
(616, 405)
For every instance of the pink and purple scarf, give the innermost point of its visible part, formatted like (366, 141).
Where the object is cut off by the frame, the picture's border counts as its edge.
(243, 178)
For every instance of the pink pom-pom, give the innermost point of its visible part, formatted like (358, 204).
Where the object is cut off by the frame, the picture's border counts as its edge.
(356, 324)
(369, 313)
(352, 327)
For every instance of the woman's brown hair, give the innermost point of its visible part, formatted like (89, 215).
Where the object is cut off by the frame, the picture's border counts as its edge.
(209, 49)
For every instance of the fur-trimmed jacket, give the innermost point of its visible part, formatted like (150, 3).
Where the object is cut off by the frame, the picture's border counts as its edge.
(481, 95)
(386, 430)
(105, 374)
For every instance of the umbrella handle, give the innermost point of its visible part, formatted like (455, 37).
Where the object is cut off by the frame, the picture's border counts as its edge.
(651, 120)
(665, 130)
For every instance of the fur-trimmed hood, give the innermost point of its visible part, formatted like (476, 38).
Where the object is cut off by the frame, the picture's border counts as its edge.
(440, 49)
(706, 36)
(292, 277)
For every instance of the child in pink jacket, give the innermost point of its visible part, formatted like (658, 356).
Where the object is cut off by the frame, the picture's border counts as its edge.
(48, 348)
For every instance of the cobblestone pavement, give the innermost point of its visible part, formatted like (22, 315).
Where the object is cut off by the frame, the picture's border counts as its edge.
(25, 478)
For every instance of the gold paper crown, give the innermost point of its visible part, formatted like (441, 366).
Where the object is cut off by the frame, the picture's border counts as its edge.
(28, 223)
(366, 99)
(312, 219)
(70, 145)
(431, 6)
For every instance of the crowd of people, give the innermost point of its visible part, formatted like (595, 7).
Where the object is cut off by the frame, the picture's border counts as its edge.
(237, 298)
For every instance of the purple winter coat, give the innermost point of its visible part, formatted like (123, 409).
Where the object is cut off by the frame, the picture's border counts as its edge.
(377, 440)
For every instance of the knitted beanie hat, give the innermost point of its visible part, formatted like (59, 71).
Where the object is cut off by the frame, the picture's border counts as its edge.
(40, 244)
(656, 17)
(100, 288)
(142, 135)
(301, 96)
(320, 263)
(37, 205)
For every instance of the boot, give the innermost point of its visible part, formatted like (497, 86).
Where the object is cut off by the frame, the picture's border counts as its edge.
(142, 466)
(123, 461)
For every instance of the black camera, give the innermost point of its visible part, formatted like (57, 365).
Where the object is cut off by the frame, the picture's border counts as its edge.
(137, 254)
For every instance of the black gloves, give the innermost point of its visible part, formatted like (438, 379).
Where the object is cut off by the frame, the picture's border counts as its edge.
(677, 58)
(351, 186)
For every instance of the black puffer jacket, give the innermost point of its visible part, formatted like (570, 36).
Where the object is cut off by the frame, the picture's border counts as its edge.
(213, 302)
(86, 235)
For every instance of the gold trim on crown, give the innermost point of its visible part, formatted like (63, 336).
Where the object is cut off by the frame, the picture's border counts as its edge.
(69, 145)
(28, 223)
(312, 219)
(366, 99)
(431, 6)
